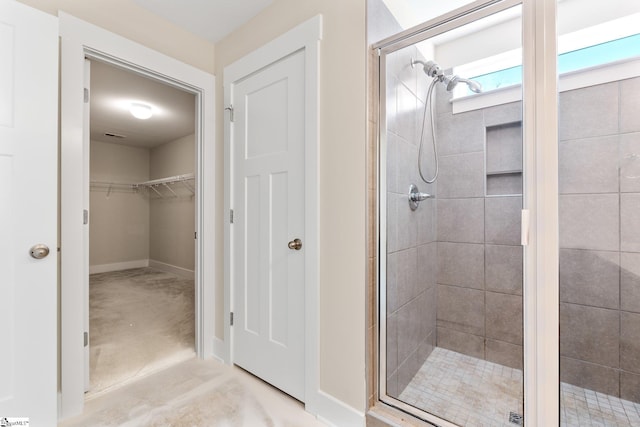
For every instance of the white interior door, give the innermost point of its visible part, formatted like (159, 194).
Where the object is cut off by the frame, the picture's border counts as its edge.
(268, 198)
(28, 213)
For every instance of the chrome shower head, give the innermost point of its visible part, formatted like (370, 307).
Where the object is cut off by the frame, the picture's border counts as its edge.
(432, 69)
(452, 81)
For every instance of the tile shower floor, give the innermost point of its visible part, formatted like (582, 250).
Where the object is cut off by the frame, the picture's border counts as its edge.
(473, 392)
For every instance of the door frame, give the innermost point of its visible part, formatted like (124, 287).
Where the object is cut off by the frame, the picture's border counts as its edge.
(305, 37)
(540, 236)
(80, 40)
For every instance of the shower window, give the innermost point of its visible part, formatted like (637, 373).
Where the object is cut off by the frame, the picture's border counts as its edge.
(591, 52)
(611, 50)
(451, 272)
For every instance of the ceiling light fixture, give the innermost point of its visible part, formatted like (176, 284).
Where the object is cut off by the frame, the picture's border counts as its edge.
(140, 111)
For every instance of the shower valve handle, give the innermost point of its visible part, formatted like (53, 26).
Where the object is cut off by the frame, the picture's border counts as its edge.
(415, 197)
(419, 197)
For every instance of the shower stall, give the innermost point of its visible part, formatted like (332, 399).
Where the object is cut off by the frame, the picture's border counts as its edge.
(460, 335)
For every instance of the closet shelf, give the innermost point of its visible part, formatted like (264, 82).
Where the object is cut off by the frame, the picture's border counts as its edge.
(110, 187)
(166, 183)
(159, 187)
(168, 180)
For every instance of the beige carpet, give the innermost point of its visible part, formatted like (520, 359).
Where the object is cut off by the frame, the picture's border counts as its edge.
(141, 321)
(195, 393)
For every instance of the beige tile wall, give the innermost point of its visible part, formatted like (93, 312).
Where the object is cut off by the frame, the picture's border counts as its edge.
(479, 305)
(600, 238)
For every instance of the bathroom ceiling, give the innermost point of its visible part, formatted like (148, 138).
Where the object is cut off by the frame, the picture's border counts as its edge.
(112, 91)
(210, 19)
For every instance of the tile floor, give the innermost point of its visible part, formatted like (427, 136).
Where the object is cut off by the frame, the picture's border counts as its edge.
(465, 390)
(473, 392)
(583, 408)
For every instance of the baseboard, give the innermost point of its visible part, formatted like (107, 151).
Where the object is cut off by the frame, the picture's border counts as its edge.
(117, 266)
(168, 268)
(323, 406)
(220, 351)
(334, 412)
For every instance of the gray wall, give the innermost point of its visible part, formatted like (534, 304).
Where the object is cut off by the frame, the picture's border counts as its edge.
(479, 257)
(127, 226)
(411, 246)
(600, 238)
(172, 219)
(479, 260)
(119, 222)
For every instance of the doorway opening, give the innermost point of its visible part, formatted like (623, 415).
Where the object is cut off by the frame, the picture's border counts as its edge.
(142, 195)
(81, 41)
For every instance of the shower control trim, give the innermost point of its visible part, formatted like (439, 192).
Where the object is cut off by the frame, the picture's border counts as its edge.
(415, 197)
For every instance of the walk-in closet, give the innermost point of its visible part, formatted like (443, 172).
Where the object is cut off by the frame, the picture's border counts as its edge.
(141, 226)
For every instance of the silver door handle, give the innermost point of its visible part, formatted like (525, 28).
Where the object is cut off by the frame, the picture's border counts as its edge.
(295, 244)
(39, 251)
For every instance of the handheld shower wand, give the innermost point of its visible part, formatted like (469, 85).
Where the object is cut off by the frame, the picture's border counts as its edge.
(434, 71)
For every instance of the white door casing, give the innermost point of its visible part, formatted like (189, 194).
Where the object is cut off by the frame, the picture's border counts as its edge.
(80, 40)
(86, 180)
(28, 213)
(268, 153)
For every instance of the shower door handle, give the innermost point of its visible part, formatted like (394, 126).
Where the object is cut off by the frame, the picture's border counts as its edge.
(295, 244)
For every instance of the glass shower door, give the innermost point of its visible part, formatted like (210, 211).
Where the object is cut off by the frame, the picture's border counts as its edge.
(451, 199)
(599, 201)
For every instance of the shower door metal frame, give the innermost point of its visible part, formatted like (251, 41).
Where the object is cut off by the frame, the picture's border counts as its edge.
(540, 202)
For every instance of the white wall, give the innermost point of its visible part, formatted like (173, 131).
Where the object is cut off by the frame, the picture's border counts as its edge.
(342, 179)
(119, 221)
(129, 20)
(172, 219)
(342, 153)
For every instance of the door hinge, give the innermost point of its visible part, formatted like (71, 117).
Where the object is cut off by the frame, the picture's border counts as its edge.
(86, 339)
(85, 217)
(195, 235)
(230, 109)
(86, 95)
(231, 216)
(231, 318)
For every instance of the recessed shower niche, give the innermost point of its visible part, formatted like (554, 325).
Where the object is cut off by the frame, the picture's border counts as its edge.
(504, 159)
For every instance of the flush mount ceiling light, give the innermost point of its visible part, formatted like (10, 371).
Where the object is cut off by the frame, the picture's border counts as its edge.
(140, 111)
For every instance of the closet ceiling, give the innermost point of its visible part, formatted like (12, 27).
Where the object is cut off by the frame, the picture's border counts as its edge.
(114, 89)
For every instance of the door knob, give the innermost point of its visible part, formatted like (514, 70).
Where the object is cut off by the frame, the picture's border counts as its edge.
(295, 244)
(39, 251)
